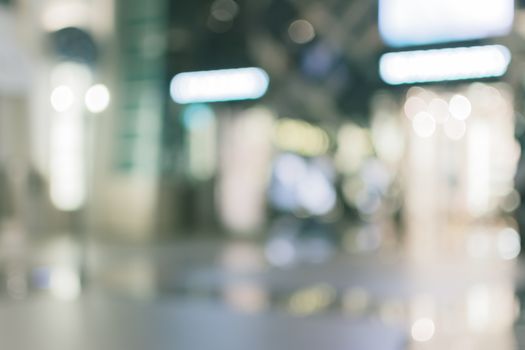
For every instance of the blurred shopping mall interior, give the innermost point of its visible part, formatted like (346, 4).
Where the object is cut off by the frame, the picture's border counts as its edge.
(262, 174)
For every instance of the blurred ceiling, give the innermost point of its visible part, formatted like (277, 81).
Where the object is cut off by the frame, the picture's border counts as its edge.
(328, 77)
(325, 76)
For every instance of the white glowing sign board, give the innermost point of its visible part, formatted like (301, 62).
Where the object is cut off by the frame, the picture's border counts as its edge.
(219, 85)
(421, 22)
(447, 64)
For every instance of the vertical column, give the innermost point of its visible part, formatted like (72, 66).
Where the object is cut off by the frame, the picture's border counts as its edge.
(140, 105)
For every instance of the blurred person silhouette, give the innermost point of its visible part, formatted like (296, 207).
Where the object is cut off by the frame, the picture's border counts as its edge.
(6, 203)
(38, 204)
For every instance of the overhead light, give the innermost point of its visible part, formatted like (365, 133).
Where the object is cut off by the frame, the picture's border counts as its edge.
(448, 64)
(62, 98)
(416, 22)
(219, 85)
(97, 98)
(424, 124)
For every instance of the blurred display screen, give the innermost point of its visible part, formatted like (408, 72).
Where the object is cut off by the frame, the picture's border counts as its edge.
(416, 22)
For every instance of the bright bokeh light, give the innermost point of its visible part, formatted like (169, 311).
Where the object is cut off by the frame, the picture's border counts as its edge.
(62, 98)
(416, 22)
(312, 300)
(301, 137)
(448, 64)
(301, 31)
(300, 185)
(65, 284)
(424, 124)
(315, 193)
(439, 110)
(414, 105)
(423, 330)
(97, 98)
(219, 85)
(420, 92)
(460, 107)
(289, 169)
(508, 244)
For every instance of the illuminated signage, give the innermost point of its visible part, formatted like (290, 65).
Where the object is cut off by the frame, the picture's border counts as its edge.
(219, 85)
(448, 64)
(421, 22)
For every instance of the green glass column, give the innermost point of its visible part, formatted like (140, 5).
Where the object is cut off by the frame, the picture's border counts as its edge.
(141, 104)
